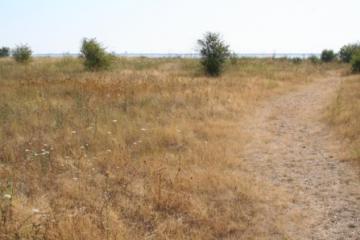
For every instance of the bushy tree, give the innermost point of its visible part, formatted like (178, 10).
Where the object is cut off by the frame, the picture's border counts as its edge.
(214, 53)
(328, 55)
(95, 56)
(355, 62)
(22, 53)
(347, 51)
(4, 52)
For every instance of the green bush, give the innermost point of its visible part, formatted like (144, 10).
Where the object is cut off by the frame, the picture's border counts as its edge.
(22, 54)
(234, 58)
(355, 62)
(328, 55)
(347, 51)
(95, 56)
(314, 59)
(296, 60)
(4, 52)
(214, 53)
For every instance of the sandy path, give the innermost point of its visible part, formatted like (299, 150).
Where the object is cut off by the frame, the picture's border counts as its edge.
(293, 150)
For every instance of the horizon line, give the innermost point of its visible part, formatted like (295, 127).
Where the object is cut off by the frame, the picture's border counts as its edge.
(184, 54)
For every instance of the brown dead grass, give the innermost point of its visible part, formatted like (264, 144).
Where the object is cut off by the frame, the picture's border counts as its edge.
(148, 150)
(344, 113)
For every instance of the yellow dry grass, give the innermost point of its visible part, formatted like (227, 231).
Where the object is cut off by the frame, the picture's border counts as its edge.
(148, 150)
(344, 113)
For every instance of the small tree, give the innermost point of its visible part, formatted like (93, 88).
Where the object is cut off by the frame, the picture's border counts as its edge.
(4, 52)
(355, 62)
(327, 55)
(96, 58)
(347, 51)
(214, 53)
(22, 54)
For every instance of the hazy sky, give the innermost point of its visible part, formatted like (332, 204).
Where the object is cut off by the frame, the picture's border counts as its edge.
(161, 26)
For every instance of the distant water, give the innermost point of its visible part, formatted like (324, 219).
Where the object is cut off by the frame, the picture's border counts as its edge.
(193, 55)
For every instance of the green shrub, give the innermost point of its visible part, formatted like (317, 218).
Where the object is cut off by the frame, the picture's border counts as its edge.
(314, 59)
(95, 56)
(234, 58)
(214, 53)
(4, 52)
(22, 54)
(296, 60)
(347, 51)
(327, 55)
(355, 62)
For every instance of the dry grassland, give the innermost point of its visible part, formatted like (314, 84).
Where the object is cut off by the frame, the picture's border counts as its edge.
(147, 150)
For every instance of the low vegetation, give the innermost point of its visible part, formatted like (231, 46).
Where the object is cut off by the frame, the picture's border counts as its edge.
(234, 58)
(314, 59)
(4, 52)
(344, 113)
(22, 54)
(297, 60)
(147, 150)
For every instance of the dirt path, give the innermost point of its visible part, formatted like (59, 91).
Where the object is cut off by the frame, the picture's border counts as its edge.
(293, 150)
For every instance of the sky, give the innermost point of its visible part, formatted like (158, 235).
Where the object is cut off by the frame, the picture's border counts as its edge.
(165, 26)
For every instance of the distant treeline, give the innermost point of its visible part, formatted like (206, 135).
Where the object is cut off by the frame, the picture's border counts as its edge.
(190, 55)
(213, 53)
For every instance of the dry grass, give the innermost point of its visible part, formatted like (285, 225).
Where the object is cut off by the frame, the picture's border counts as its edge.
(344, 113)
(148, 150)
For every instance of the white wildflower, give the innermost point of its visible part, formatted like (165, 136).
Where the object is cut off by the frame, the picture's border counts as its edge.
(35, 210)
(114, 121)
(8, 196)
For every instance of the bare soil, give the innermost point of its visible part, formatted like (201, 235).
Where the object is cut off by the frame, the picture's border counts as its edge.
(296, 152)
